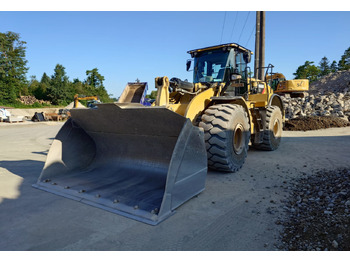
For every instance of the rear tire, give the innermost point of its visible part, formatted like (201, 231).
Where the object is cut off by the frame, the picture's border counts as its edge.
(273, 126)
(226, 132)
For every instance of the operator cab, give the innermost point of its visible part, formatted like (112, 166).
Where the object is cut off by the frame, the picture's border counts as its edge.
(219, 63)
(275, 79)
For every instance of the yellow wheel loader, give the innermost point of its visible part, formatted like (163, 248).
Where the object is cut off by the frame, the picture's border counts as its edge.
(144, 161)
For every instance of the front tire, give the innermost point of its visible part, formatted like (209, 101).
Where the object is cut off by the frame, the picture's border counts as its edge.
(227, 132)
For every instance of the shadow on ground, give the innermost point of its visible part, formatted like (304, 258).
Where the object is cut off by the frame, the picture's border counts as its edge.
(27, 169)
(36, 220)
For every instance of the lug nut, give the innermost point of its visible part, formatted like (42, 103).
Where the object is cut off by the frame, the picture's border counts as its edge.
(82, 191)
(116, 201)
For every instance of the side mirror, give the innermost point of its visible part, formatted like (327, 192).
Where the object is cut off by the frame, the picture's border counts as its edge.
(247, 57)
(188, 64)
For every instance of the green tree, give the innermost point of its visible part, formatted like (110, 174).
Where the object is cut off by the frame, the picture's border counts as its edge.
(324, 66)
(94, 85)
(344, 62)
(12, 67)
(58, 91)
(78, 86)
(307, 71)
(32, 86)
(152, 95)
(333, 67)
(94, 78)
(45, 79)
(41, 92)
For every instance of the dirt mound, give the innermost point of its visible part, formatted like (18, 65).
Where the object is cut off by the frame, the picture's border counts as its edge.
(314, 123)
(333, 82)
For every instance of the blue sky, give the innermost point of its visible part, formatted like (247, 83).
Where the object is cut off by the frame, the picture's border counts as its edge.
(129, 45)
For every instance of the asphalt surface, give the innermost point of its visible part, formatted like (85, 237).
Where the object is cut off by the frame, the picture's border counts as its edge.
(235, 211)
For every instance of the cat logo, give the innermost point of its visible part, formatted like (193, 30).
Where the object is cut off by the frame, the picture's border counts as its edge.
(301, 83)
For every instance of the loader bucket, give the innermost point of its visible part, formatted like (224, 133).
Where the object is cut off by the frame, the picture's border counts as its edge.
(137, 161)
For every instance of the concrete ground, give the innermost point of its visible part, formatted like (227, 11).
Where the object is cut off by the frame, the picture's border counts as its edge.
(235, 212)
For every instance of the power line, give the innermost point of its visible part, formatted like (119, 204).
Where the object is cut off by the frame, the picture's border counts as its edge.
(234, 25)
(243, 27)
(223, 25)
(250, 36)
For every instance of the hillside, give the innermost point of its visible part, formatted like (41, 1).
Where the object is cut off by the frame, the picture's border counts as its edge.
(337, 82)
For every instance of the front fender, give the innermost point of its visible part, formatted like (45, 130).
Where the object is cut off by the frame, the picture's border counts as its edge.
(276, 100)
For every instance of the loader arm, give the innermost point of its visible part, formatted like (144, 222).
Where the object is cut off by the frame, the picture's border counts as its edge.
(162, 84)
(188, 105)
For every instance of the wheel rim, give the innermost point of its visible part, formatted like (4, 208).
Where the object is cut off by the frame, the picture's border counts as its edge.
(238, 139)
(276, 128)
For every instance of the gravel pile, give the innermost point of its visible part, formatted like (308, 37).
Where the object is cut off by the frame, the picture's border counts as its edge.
(337, 82)
(318, 213)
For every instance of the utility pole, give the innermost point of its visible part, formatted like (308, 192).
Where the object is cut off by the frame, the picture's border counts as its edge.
(259, 60)
(257, 45)
(262, 45)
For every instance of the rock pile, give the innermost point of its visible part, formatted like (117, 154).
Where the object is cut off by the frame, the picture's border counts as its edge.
(30, 100)
(328, 96)
(337, 82)
(318, 213)
(327, 104)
